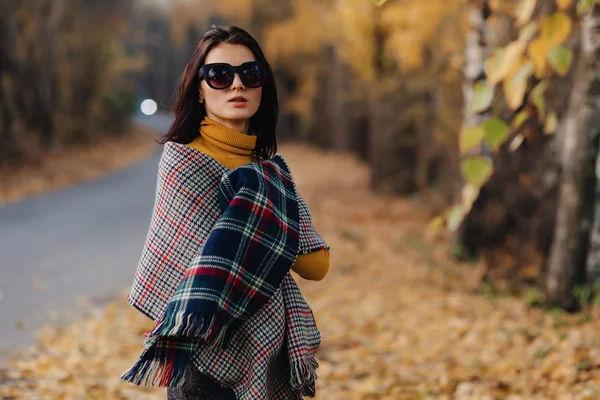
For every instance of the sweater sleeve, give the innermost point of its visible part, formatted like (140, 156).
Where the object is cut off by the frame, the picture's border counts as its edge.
(312, 266)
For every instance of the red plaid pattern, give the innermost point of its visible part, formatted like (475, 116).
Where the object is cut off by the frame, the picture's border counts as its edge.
(283, 333)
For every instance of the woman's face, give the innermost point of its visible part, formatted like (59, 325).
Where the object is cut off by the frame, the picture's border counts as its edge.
(219, 105)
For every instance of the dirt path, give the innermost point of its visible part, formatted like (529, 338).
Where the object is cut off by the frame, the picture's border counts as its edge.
(398, 319)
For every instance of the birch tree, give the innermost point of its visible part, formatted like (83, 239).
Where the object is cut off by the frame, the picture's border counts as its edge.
(582, 125)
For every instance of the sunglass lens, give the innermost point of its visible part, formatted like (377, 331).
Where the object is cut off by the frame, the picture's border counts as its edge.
(220, 76)
(253, 75)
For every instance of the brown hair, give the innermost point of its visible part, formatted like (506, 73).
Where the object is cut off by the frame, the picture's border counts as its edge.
(188, 111)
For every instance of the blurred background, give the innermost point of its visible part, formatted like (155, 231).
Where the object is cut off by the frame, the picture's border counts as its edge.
(466, 129)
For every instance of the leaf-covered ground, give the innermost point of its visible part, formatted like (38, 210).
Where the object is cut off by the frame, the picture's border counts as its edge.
(399, 319)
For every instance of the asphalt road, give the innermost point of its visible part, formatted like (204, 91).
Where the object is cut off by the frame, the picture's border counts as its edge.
(82, 242)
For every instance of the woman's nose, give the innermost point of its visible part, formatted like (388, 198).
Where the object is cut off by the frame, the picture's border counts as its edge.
(237, 83)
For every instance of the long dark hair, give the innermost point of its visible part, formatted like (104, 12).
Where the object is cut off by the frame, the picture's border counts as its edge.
(189, 112)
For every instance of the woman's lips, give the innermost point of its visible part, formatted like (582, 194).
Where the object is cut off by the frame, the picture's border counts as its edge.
(238, 101)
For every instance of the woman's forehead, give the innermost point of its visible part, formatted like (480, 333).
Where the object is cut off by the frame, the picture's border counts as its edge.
(234, 54)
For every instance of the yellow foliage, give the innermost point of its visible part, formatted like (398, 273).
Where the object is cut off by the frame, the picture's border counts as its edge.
(515, 85)
(298, 35)
(186, 13)
(307, 91)
(551, 123)
(563, 4)
(412, 26)
(538, 50)
(409, 30)
(296, 43)
(524, 11)
(501, 7)
(469, 138)
(354, 23)
(504, 60)
(527, 32)
(240, 10)
(477, 171)
(468, 195)
(556, 28)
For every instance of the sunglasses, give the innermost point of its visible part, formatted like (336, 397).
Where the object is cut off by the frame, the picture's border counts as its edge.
(220, 76)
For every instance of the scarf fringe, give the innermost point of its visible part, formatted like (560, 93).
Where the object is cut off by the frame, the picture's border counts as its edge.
(153, 369)
(193, 326)
(303, 375)
(165, 366)
(179, 324)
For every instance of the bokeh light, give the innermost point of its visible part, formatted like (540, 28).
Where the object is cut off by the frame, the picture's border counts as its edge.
(149, 107)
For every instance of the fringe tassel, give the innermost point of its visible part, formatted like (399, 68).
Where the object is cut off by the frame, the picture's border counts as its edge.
(303, 375)
(157, 367)
(221, 339)
(181, 324)
(169, 347)
(195, 326)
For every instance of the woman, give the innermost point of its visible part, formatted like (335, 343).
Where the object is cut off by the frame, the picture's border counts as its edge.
(220, 147)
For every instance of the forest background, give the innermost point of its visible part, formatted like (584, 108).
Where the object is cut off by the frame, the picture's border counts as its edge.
(485, 110)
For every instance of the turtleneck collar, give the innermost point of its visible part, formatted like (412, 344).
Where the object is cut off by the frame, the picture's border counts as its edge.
(227, 139)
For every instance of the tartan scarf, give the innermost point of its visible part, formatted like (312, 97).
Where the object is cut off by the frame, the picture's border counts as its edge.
(254, 224)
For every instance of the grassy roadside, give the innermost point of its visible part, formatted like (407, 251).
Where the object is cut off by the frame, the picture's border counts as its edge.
(66, 167)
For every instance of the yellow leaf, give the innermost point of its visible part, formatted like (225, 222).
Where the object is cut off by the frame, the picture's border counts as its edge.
(551, 123)
(583, 6)
(468, 196)
(494, 66)
(504, 60)
(495, 132)
(483, 94)
(524, 10)
(469, 138)
(514, 91)
(538, 99)
(520, 118)
(454, 218)
(477, 171)
(513, 55)
(538, 50)
(524, 71)
(560, 58)
(515, 85)
(434, 227)
(516, 142)
(556, 28)
(563, 4)
(528, 31)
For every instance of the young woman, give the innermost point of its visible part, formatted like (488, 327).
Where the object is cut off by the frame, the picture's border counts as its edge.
(223, 133)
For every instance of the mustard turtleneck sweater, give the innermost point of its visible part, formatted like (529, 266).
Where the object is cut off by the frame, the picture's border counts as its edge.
(234, 149)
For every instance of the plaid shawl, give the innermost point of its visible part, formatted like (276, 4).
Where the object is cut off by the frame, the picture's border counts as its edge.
(237, 315)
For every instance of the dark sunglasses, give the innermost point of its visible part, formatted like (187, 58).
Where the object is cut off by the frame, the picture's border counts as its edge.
(220, 76)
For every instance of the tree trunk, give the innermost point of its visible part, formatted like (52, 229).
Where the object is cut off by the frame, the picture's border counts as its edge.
(478, 48)
(580, 122)
(10, 150)
(45, 90)
(393, 146)
(512, 221)
(591, 50)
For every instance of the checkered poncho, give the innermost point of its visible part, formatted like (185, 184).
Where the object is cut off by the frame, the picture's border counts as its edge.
(238, 316)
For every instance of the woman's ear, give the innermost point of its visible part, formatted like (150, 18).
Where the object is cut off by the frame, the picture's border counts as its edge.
(200, 95)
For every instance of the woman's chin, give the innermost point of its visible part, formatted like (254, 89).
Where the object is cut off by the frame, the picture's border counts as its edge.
(238, 114)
